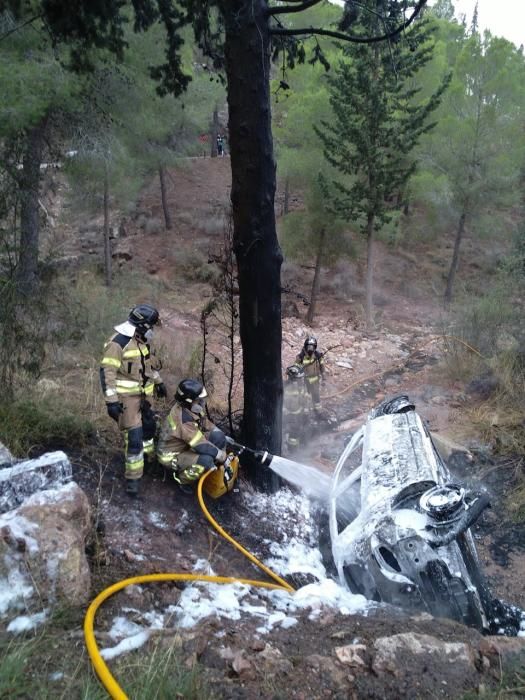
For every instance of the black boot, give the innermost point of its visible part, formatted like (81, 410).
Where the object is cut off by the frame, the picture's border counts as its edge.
(132, 487)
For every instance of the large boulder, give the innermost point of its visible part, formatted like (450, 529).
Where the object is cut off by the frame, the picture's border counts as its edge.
(22, 479)
(42, 557)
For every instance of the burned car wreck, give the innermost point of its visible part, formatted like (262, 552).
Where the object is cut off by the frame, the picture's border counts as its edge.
(408, 541)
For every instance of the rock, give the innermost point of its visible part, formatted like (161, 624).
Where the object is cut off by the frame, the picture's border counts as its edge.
(346, 365)
(25, 478)
(42, 550)
(351, 654)
(123, 251)
(410, 653)
(505, 342)
(506, 648)
(484, 386)
(274, 660)
(6, 458)
(446, 448)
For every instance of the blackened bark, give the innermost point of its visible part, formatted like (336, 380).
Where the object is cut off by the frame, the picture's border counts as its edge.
(317, 277)
(214, 133)
(255, 242)
(108, 273)
(27, 268)
(165, 207)
(455, 258)
(369, 267)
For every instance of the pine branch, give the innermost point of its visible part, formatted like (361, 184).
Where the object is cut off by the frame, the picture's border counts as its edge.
(301, 5)
(351, 38)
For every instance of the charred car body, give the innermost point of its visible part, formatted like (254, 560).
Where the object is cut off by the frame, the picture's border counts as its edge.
(410, 543)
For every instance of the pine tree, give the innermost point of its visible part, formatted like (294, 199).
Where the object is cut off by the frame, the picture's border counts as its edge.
(378, 120)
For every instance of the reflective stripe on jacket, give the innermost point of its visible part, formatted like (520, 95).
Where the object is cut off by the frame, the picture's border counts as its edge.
(126, 368)
(181, 430)
(313, 366)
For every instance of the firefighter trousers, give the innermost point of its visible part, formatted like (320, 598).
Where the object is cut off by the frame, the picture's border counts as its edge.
(137, 425)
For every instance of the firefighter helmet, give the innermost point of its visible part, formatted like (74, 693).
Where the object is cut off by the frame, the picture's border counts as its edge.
(311, 340)
(144, 317)
(295, 372)
(190, 391)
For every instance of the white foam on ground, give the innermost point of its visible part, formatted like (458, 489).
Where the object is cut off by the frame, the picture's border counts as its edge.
(25, 623)
(296, 552)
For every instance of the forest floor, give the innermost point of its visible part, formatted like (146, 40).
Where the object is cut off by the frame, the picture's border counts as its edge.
(164, 530)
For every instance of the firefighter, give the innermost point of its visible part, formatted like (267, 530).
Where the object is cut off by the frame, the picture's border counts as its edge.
(311, 360)
(184, 443)
(127, 377)
(294, 406)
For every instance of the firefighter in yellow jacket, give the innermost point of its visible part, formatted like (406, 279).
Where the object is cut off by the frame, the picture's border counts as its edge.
(295, 410)
(128, 377)
(311, 360)
(184, 443)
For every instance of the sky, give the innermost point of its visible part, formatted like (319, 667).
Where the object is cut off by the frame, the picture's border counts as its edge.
(502, 17)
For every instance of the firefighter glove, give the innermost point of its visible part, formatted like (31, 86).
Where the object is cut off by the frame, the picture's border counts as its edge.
(220, 457)
(160, 391)
(114, 410)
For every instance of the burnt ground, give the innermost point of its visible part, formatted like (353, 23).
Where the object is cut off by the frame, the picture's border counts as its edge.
(164, 530)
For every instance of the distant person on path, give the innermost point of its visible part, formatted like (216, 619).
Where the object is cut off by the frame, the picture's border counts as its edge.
(311, 360)
(127, 377)
(220, 145)
(295, 408)
(186, 440)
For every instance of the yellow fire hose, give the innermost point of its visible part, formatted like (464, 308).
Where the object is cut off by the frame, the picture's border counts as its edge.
(100, 666)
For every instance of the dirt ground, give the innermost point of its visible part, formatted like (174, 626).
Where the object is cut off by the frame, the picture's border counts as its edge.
(164, 530)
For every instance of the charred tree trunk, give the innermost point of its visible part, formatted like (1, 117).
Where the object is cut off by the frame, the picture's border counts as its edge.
(108, 274)
(369, 267)
(165, 208)
(317, 277)
(455, 257)
(27, 268)
(255, 242)
(214, 132)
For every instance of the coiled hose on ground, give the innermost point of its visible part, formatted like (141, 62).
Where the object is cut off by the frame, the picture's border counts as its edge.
(100, 666)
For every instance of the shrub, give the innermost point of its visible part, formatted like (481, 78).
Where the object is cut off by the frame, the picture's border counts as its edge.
(28, 427)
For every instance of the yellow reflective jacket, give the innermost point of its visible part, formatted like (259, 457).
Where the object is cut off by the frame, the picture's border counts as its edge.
(313, 366)
(294, 400)
(183, 430)
(126, 368)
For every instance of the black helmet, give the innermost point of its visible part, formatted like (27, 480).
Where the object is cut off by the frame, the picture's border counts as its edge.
(310, 341)
(144, 317)
(295, 372)
(189, 391)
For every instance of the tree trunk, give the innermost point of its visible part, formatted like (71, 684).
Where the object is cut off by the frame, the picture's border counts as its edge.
(317, 277)
(255, 242)
(369, 267)
(165, 208)
(455, 258)
(286, 202)
(27, 268)
(214, 132)
(107, 243)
